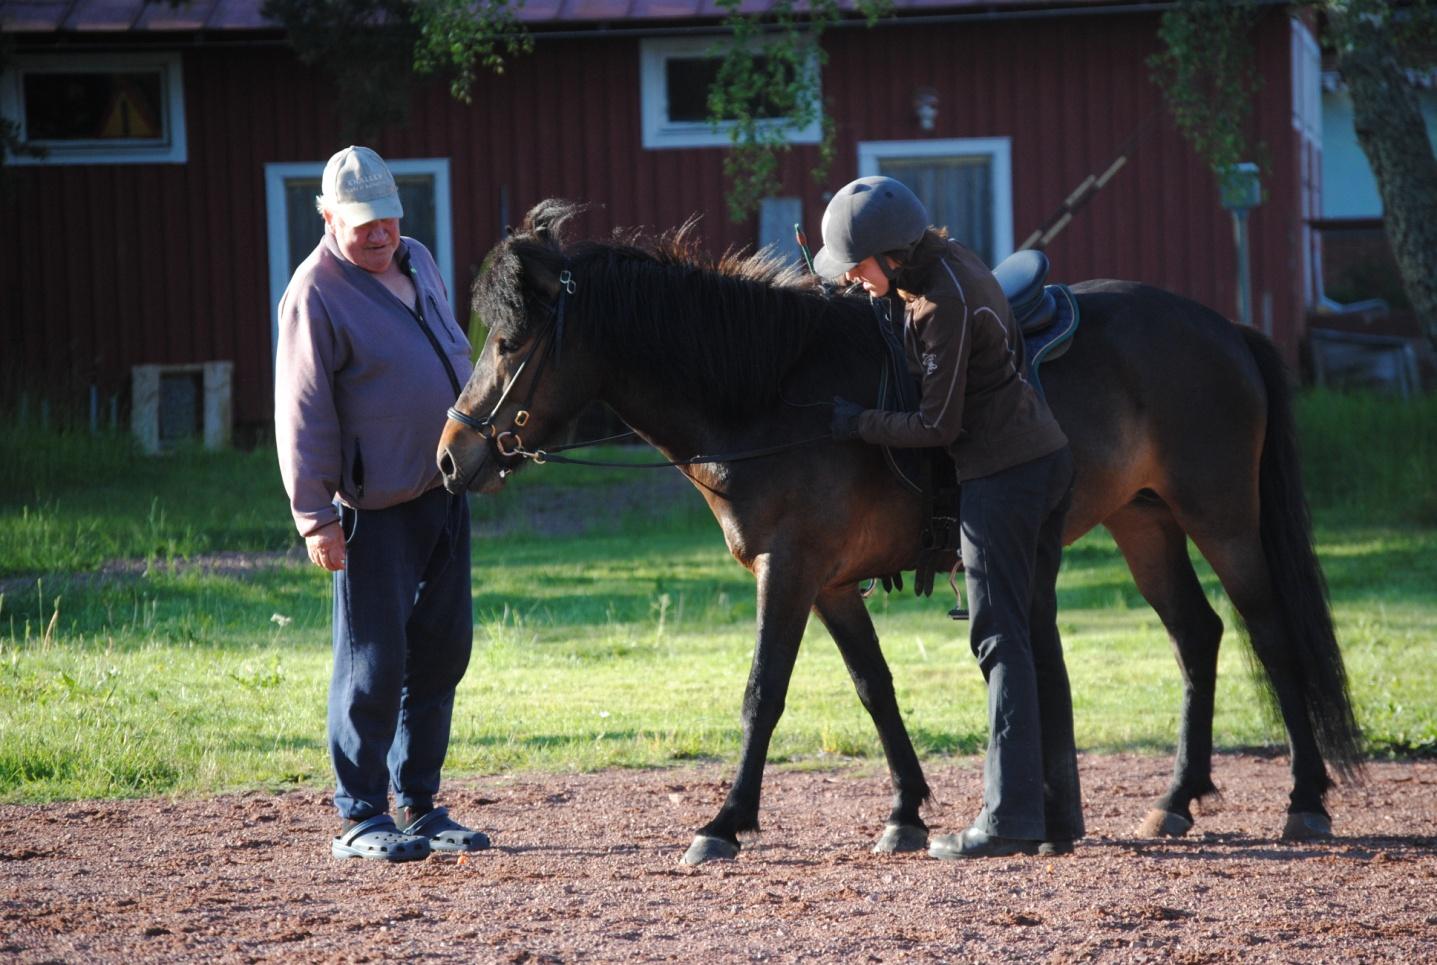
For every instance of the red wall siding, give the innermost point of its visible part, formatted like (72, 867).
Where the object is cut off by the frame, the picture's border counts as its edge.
(119, 265)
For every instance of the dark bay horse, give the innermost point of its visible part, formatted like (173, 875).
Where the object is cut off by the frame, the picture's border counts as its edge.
(1179, 423)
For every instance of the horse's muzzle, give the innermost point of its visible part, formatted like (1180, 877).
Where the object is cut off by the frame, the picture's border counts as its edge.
(470, 471)
(449, 470)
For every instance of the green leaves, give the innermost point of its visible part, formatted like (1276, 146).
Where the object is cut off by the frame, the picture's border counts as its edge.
(1207, 73)
(455, 35)
(768, 89)
(371, 48)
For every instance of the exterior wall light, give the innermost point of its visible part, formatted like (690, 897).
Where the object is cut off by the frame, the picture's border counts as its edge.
(925, 107)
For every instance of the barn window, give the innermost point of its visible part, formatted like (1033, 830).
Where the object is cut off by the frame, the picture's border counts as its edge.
(295, 227)
(966, 184)
(674, 79)
(97, 109)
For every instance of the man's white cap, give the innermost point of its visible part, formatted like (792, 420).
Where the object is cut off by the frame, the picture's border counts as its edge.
(358, 187)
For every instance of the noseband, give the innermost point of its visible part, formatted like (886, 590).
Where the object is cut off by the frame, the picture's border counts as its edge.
(509, 443)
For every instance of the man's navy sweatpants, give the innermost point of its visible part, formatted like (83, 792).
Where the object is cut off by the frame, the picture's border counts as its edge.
(403, 630)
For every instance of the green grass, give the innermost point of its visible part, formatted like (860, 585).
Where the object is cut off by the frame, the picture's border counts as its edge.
(625, 647)
(1370, 459)
(72, 500)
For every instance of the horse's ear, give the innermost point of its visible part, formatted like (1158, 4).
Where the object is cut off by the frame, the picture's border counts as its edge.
(545, 221)
(540, 268)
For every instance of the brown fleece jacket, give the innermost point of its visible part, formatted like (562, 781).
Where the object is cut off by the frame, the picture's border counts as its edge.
(956, 335)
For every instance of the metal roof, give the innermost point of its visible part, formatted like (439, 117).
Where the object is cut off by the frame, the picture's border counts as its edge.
(156, 16)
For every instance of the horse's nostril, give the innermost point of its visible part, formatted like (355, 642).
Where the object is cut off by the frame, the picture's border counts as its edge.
(446, 465)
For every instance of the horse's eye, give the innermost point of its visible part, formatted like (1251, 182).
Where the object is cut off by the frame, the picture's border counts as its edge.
(504, 346)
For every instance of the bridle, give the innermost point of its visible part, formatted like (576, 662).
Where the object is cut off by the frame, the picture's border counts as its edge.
(552, 333)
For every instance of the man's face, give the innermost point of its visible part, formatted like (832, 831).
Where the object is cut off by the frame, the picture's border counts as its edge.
(874, 281)
(371, 245)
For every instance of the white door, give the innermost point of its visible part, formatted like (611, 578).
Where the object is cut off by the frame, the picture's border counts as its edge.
(966, 184)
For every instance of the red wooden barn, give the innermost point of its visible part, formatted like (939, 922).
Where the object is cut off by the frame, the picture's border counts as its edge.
(186, 144)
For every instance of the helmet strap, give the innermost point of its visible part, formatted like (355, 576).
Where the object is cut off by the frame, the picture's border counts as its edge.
(902, 257)
(889, 272)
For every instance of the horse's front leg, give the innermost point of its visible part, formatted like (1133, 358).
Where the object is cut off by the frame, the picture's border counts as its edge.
(785, 594)
(844, 614)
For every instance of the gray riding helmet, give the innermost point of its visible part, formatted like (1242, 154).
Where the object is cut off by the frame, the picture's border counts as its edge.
(868, 217)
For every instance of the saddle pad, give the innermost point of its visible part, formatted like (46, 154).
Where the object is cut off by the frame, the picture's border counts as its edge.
(1054, 340)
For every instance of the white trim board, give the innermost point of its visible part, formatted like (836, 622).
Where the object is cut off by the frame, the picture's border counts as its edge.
(659, 132)
(998, 149)
(173, 150)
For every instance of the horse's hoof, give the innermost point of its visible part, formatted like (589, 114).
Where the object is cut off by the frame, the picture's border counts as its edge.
(706, 848)
(898, 838)
(1307, 826)
(1163, 824)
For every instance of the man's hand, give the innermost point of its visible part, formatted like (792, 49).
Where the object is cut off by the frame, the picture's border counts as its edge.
(845, 419)
(326, 547)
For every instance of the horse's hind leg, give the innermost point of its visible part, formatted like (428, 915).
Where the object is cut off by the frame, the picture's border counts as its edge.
(1240, 563)
(842, 611)
(1155, 548)
(783, 605)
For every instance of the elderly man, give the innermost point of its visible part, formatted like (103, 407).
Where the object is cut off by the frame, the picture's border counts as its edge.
(369, 358)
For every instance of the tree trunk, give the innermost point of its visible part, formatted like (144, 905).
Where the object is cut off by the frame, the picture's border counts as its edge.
(1394, 138)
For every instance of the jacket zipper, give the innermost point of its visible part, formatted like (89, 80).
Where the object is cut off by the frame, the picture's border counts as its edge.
(356, 471)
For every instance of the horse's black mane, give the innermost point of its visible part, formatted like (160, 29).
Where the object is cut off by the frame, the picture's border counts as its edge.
(724, 332)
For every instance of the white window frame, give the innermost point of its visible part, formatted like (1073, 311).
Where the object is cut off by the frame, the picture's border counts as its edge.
(999, 151)
(1306, 83)
(661, 133)
(276, 217)
(173, 151)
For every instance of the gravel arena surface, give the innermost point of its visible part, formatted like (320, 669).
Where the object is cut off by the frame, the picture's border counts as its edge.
(585, 867)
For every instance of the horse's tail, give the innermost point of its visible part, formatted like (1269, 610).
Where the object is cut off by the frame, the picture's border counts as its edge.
(1301, 590)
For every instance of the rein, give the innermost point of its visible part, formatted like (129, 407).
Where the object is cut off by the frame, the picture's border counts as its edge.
(516, 450)
(541, 456)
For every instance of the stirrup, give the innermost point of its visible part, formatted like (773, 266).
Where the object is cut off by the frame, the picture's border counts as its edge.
(959, 612)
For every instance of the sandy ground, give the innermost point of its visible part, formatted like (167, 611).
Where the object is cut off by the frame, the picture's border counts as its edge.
(586, 868)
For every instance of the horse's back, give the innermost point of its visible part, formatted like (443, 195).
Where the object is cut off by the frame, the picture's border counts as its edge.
(1154, 319)
(1157, 392)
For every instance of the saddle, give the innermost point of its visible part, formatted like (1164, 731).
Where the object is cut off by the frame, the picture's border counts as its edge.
(1047, 318)
(1046, 315)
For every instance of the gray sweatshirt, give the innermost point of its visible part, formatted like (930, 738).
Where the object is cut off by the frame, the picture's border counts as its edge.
(359, 390)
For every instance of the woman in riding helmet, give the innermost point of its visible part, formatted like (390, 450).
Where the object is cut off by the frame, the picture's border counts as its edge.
(1017, 478)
